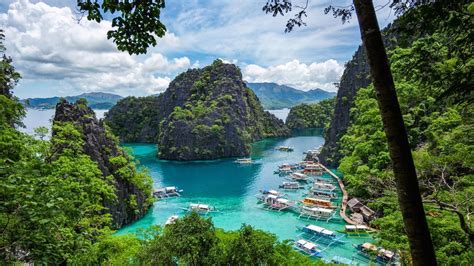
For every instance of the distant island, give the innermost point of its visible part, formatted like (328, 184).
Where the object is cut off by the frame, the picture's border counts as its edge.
(204, 114)
(275, 96)
(96, 100)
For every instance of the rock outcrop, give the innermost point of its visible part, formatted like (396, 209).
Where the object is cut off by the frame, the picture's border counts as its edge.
(356, 75)
(132, 189)
(204, 114)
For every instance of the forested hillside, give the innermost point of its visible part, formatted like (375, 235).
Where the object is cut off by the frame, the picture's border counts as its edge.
(433, 75)
(316, 115)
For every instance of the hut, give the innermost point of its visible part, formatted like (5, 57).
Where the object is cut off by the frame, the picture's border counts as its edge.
(358, 207)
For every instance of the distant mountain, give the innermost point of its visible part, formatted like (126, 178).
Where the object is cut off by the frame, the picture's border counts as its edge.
(274, 96)
(96, 100)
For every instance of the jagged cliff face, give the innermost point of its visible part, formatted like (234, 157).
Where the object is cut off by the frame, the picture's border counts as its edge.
(356, 75)
(204, 114)
(132, 189)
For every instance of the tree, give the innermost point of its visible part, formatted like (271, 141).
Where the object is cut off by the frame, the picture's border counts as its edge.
(409, 197)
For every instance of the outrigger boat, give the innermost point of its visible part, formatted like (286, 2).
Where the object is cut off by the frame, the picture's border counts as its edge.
(172, 219)
(316, 213)
(357, 230)
(321, 193)
(274, 202)
(284, 148)
(299, 177)
(291, 186)
(313, 169)
(166, 192)
(320, 234)
(266, 192)
(318, 203)
(200, 208)
(244, 161)
(284, 171)
(381, 255)
(307, 247)
(324, 186)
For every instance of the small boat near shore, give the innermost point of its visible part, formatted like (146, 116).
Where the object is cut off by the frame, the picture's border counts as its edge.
(243, 161)
(200, 208)
(167, 192)
(274, 202)
(324, 186)
(318, 203)
(307, 247)
(381, 255)
(300, 177)
(172, 219)
(316, 213)
(291, 185)
(322, 194)
(284, 148)
(321, 234)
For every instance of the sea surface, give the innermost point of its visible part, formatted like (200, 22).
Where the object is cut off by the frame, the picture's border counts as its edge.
(232, 189)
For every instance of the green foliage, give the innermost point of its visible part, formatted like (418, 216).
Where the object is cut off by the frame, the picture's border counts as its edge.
(317, 115)
(193, 240)
(135, 23)
(439, 122)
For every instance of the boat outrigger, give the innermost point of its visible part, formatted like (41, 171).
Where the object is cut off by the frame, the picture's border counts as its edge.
(172, 219)
(291, 186)
(318, 203)
(299, 177)
(166, 192)
(320, 234)
(316, 213)
(200, 208)
(284, 148)
(274, 202)
(244, 161)
(307, 247)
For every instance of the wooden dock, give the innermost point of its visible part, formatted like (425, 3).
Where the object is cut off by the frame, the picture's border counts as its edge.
(345, 198)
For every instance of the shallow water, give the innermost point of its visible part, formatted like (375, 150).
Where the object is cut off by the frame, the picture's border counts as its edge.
(231, 188)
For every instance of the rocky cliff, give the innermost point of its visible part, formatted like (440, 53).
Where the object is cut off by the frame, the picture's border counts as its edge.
(315, 115)
(356, 75)
(204, 114)
(132, 189)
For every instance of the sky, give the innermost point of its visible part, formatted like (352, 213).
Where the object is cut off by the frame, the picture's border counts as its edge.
(59, 56)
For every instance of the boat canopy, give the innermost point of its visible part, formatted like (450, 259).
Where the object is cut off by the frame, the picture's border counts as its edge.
(319, 230)
(282, 200)
(356, 227)
(317, 209)
(369, 246)
(199, 206)
(306, 244)
(301, 175)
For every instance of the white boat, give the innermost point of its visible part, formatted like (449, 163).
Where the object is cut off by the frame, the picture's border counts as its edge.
(284, 148)
(321, 193)
(324, 186)
(317, 213)
(291, 186)
(166, 192)
(244, 161)
(200, 208)
(172, 219)
(299, 177)
(275, 202)
(307, 247)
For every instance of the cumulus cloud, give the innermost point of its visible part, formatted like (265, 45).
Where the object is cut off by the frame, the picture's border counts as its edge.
(300, 75)
(47, 43)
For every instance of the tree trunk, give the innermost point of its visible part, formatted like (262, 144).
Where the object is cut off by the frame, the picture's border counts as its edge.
(409, 198)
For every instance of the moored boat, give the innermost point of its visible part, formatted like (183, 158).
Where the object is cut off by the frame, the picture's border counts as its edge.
(324, 186)
(307, 247)
(200, 208)
(318, 202)
(317, 213)
(381, 255)
(166, 192)
(244, 161)
(299, 177)
(172, 219)
(284, 148)
(321, 193)
(291, 185)
(275, 202)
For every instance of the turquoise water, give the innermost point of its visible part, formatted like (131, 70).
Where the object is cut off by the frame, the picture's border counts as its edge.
(232, 188)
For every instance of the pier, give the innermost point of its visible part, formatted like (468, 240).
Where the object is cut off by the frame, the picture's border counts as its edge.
(345, 198)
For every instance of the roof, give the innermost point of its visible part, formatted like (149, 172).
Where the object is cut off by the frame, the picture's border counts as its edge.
(353, 202)
(170, 188)
(317, 200)
(317, 209)
(369, 246)
(356, 227)
(271, 196)
(299, 174)
(306, 244)
(319, 229)
(282, 200)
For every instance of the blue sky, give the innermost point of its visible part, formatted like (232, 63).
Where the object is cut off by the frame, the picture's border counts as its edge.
(58, 56)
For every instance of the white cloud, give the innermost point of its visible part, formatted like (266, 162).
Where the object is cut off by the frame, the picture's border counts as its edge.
(47, 43)
(300, 75)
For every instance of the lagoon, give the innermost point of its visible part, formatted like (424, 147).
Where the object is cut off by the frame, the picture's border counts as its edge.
(232, 189)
